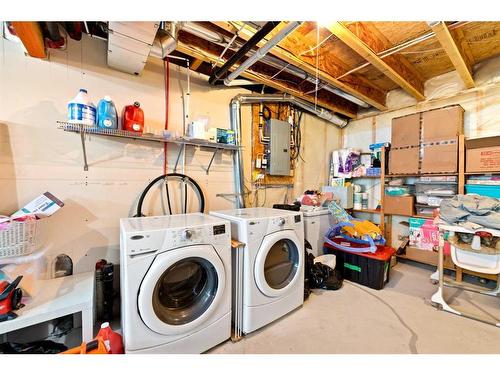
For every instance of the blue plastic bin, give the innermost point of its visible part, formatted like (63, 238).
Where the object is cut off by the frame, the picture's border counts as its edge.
(492, 191)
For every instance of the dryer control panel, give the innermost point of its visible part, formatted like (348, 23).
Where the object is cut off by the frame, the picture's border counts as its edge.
(164, 240)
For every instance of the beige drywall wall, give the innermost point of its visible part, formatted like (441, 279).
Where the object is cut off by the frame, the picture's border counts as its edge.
(36, 157)
(481, 118)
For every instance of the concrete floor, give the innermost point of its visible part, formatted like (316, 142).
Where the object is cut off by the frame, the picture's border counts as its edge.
(397, 319)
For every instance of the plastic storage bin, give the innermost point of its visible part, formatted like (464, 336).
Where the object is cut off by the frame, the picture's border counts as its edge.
(438, 188)
(492, 191)
(369, 269)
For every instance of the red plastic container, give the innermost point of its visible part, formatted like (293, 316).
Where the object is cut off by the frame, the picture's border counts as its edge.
(370, 269)
(133, 118)
(112, 340)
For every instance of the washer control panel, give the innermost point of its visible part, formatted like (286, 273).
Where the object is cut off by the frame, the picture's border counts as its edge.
(147, 242)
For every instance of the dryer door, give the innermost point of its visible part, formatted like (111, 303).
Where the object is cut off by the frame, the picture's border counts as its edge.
(278, 263)
(181, 289)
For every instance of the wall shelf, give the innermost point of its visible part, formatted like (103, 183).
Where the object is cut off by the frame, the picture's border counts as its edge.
(116, 133)
(366, 210)
(421, 175)
(481, 173)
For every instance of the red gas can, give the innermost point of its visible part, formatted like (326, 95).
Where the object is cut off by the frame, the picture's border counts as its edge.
(133, 118)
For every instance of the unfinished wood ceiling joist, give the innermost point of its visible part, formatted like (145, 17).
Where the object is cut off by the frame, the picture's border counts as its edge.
(367, 42)
(460, 60)
(291, 51)
(377, 58)
(199, 49)
(196, 64)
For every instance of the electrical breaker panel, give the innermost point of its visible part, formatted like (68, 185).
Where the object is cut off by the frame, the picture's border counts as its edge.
(279, 146)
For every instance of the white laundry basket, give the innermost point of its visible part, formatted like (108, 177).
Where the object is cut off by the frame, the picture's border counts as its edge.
(18, 238)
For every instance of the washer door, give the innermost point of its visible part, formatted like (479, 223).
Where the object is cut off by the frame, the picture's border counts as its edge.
(278, 263)
(181, 289)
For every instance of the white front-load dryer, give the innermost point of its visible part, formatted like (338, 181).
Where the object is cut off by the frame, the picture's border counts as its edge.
(175, 283)
(270, 278)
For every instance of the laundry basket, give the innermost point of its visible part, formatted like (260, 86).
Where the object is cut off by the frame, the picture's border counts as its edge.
(18, 238)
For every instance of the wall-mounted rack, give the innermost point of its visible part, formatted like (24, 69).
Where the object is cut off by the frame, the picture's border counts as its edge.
(183, 142)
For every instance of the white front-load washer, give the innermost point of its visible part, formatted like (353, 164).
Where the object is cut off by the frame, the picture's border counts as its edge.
(270, 277)
(175, 283)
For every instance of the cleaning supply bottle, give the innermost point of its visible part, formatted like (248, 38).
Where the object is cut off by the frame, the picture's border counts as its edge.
(112, 339)
(106, 114)
(133, 118)
(81, 110)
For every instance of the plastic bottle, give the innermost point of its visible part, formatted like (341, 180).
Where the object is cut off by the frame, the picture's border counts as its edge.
(81, 110)
(133, 118)
(112, 340)
(107, 117)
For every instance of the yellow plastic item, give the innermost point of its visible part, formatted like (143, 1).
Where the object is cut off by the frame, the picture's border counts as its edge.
(362, 228)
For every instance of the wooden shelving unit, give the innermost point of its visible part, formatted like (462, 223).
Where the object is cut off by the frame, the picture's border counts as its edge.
(431, 257)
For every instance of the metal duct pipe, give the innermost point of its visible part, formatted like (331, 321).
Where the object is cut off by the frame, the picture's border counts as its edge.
(235, 119)
(261, 52)
(222, 40)
(244, 49)
(168, 39)
(204, 33)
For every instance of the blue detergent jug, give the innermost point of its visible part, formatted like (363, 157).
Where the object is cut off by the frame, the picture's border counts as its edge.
(107, 116)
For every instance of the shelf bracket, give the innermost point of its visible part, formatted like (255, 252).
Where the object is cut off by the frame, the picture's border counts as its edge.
(207, 171)
(181, 149)
(82, 136)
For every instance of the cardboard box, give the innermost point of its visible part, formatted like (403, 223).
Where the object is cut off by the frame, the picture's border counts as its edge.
(442, 124)
(439, 158)
(404, 161)
(405, 131)
(434, 137)
(402, 205)
(482, 154)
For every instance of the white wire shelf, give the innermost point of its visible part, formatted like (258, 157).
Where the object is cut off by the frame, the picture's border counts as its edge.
(117, 133)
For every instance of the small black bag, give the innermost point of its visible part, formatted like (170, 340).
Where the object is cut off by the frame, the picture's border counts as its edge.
(322, 276)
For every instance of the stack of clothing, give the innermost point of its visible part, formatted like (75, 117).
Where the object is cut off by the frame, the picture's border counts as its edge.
(471, 211)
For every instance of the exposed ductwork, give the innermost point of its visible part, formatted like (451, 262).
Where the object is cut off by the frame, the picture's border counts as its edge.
(235, 119)
(242, 52)
(222, 40)
(129, 45)
(261, 52)
(167, 37)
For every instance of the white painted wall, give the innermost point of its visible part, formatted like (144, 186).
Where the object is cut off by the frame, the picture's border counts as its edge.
(481, 105)
(36, 157)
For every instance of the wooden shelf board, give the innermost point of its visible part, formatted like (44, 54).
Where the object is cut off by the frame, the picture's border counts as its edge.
(422, 175)
(361, 177)
(431, 258)
(480, 173)
(419, 216)
(369, 211)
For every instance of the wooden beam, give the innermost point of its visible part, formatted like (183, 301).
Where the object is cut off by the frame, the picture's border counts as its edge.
(207, 53)
(455, 53)
(196, 64)
(31, 36)
(399, 72)
(354, 84)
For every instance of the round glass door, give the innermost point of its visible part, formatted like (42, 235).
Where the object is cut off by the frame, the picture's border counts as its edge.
(181, 289)
(185, 291)
(281, 264)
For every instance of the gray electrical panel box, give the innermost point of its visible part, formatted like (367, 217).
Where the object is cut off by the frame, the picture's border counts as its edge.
(279, 146)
